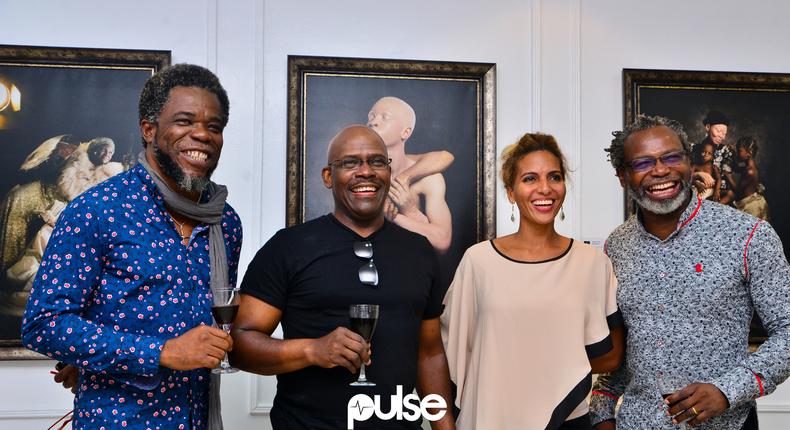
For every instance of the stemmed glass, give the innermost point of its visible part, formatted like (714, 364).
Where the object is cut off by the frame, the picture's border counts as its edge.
(224, 309)
(668, 384)
(363, 322)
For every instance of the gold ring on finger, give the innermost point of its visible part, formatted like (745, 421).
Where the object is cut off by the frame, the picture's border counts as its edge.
(693, 409)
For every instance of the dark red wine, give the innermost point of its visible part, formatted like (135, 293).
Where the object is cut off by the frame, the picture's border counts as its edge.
(364, 327)
(224, 314)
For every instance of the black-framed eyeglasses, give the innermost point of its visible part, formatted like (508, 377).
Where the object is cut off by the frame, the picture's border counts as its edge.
(644, 164)
(354, 163)
(368, 274)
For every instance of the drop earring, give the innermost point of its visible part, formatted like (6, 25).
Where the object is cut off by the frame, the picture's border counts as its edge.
(512, 212)
(562, 213)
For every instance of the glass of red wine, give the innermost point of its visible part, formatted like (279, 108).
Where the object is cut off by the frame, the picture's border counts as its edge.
(224, 309)
(668, 384)
(363, 322)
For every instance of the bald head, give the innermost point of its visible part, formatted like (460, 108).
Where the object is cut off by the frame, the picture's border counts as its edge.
(358, 173)
(393, 119)
(347, 137)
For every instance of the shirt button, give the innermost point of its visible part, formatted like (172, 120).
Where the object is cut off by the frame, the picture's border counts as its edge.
(660, 342)
(661, 308)
(662, 275)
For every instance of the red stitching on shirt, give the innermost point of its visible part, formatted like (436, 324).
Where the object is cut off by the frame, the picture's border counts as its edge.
(693, 214)
(604, 393)
(759, 383)
(746, 248)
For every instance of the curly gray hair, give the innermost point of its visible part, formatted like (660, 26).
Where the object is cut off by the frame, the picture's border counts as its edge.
(643, 122)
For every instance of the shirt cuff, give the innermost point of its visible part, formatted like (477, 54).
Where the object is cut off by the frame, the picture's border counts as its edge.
(602, 406)
(142, 355)
(146, 383)
(739, 386)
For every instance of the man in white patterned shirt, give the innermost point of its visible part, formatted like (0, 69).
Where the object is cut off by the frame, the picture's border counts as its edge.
(690, 274)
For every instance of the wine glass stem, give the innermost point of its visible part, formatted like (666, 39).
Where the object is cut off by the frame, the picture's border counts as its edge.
(362, 377)
(225, 363)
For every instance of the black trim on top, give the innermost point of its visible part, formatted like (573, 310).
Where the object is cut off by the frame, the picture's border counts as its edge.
(580, 423)
(570, 402)
(599, 348)
(615, 320)
(564, 253)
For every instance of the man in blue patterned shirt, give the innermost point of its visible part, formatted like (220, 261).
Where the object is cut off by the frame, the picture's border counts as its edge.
(124, 288)
(690, 274)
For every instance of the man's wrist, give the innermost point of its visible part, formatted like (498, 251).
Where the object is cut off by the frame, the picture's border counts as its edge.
(165, 355)
(310, 352)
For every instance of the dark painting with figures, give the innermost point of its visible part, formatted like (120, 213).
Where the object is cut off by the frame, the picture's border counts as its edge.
(427, 113)
(737, 123)
(71, 123)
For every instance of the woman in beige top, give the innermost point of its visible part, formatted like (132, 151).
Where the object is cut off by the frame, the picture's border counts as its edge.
(531, 315)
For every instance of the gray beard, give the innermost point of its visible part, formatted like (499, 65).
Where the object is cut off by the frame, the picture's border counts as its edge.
(662, 207)
(171, 168)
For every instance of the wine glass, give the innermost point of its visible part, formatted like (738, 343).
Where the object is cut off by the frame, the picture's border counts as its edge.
(668, 384)
(224, 309)
(363, 322)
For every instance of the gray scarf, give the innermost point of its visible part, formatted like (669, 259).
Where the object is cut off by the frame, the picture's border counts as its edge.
(209, 213)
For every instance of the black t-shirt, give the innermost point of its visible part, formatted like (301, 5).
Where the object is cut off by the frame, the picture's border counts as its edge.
(310, 273)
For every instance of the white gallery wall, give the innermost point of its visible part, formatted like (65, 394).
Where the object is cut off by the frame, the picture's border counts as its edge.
(559, 68)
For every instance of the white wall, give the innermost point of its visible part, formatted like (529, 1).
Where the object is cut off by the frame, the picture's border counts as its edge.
(558, 70)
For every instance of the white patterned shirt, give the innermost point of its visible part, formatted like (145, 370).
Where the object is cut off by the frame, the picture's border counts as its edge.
(687, 302)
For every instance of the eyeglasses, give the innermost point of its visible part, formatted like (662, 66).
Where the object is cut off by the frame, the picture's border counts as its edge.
(649, 163)
(354, 163)
(368, 274)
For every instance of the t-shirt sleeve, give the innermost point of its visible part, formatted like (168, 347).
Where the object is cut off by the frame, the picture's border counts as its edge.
(438, 288)
(602, 312)
(267, 275)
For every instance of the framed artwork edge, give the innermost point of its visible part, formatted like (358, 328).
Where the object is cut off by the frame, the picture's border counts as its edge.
(485, 73)
(50, 56)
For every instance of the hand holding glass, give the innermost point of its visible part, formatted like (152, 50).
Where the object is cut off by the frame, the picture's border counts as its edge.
(363, 322)
(225, 307)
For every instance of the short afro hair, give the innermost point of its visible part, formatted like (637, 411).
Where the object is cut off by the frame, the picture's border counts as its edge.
(643, 122)
(157, 90)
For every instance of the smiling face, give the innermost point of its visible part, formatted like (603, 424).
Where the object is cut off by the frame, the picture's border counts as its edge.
(186, 142)
(359, 193)
(101, 152)
(538, 188)
(664, 188)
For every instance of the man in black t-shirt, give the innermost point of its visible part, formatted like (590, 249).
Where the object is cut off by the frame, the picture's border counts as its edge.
(306, 277)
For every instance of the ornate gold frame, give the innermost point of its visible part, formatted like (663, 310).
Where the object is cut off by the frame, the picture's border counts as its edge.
(81, 58)
(483, 74)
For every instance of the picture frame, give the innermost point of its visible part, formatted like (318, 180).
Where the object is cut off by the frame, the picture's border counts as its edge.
(69, 101)
(454, 105)
(755, 105)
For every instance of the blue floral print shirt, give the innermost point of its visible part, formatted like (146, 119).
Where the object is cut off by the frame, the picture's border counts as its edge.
(116, 283)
